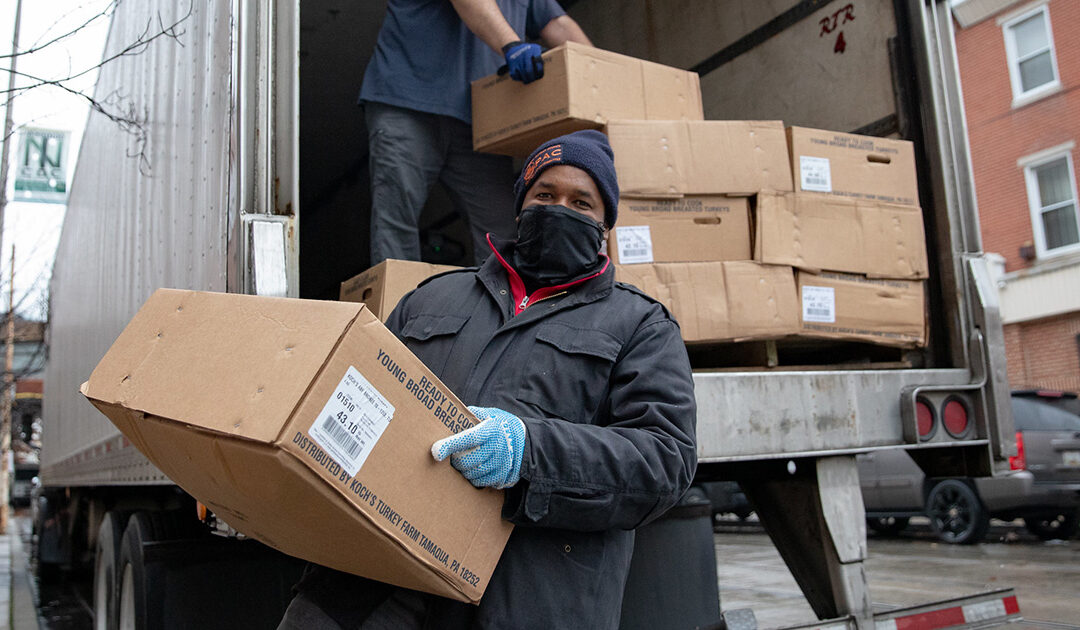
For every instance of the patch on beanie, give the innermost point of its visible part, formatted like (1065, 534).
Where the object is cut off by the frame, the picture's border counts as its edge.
(547, 156)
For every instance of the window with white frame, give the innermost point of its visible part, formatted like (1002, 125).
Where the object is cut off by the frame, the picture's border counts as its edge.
(1052, 197)
(1029, 46)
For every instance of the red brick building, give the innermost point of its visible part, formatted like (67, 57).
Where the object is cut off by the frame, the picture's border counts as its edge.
(1020, 69)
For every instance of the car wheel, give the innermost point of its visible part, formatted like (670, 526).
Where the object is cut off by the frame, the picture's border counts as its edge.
(888, 525)
(957, 514)
(1053, 525)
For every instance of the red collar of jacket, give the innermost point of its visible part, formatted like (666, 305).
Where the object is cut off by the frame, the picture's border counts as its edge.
(522, 299)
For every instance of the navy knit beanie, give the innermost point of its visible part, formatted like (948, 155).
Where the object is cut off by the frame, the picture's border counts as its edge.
(588, 150)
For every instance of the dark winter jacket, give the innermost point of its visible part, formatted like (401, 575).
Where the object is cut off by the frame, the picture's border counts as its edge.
(598, 373)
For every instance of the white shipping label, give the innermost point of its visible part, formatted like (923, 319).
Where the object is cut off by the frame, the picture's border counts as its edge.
(815, 174)
(634, 244)
(819, 304)
(352, 421)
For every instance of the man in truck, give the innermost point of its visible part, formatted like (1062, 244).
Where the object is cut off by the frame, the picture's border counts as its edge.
(586, 405)
(417, 105)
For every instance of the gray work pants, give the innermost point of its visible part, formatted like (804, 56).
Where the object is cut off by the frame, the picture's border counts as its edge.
(410, 151)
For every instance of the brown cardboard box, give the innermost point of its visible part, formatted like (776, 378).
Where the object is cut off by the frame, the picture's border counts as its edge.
(721, 301)
(849, 165)
(714, 157)
(693, 228)
(816, 232)
(582, 88)
(250, 404)
(381, 287)
(852, 307)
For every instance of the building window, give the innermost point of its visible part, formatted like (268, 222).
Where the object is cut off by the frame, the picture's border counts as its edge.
(1029, 46)
(1052, 197)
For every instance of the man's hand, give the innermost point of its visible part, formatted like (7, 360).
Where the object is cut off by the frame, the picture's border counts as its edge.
(489, 454)
(524, 61)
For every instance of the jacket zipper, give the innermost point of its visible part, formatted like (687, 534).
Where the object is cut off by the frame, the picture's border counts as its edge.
(525, 301)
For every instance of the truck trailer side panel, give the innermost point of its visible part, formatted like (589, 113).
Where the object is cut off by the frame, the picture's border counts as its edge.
(147, 210)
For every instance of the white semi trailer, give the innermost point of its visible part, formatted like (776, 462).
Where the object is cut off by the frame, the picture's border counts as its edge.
(248, 174)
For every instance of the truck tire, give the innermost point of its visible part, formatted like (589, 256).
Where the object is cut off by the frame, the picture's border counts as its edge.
(106, 561)
(956, 513)
(139, 599)
(1062, 524)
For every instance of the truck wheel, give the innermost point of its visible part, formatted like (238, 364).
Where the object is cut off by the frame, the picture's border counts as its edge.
(957, 514)
(106, 561)
(140, 600)
(1054, 525)
(888, 525)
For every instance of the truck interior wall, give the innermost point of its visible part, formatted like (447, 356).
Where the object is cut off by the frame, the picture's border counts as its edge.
(337, 38)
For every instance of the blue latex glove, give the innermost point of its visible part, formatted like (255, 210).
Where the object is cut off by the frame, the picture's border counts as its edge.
(488, 454)
(524, 62)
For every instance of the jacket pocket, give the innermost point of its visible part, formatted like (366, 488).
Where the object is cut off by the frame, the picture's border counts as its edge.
(431, 338)
(567, 370)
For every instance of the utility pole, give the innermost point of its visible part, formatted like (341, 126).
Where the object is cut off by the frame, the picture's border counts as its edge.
(8, 395)
(7, 399)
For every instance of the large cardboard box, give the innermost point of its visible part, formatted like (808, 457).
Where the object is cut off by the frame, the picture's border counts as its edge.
(692, 228)
(672, 158)
(308, 426)
(817, 232)
(582, 88)
(381, 287)
(850, 165)
(721, 301)
(857, 308)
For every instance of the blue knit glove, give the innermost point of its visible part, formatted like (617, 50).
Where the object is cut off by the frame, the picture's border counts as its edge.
(489, 454)
(524, 61)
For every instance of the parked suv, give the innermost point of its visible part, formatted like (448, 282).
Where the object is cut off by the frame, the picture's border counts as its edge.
(1043, 486)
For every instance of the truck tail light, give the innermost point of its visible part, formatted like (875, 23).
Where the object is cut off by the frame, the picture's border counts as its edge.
(924, 419)
(1018, 461)
(956, 418)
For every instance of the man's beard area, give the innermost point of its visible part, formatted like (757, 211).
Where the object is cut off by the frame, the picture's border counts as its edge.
(556, 245)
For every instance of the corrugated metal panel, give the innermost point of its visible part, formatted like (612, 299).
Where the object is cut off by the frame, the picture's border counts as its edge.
(136, 224)
(1037, 293)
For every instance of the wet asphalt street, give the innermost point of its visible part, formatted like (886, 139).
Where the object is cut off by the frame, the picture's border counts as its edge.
(911, 569)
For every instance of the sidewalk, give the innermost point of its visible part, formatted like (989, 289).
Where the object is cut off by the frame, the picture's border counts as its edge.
(17, 611)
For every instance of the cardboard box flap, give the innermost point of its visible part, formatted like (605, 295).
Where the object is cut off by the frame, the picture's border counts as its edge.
(238, 393)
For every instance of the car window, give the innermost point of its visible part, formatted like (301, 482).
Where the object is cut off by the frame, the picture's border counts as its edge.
(1032, 415)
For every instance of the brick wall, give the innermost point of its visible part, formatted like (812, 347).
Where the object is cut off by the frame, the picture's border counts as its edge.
(1044, 353)
(999, 134)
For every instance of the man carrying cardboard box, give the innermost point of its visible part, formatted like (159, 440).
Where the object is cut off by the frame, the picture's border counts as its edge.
(416, 103)
(586, 401)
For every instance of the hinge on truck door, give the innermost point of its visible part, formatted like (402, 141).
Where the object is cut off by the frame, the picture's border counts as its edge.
(266, 254)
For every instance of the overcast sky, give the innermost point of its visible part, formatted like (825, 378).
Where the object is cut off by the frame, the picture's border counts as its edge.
(35, 227)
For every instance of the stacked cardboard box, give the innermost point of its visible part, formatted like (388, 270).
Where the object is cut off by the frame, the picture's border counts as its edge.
(854, 231)
(381, 287)
(723, 221)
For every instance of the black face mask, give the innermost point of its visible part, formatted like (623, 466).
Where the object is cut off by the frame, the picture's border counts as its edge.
(556, 245)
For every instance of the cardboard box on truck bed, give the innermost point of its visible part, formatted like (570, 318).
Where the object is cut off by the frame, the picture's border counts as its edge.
(308, 426)
(850, 165)
(683, 229)
(721, 301)
(712, 157)
(381, 287)
(817, 232)
(845, 306)
(582, 88)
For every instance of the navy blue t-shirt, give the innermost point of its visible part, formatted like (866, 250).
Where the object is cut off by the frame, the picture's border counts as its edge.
(426, 57)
